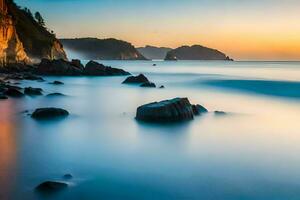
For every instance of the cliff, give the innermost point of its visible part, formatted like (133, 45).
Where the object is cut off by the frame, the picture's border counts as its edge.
(102, 49)
(154, 53)
(196, 52)
(22, 39)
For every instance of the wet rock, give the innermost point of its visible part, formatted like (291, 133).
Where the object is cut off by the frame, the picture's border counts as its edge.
(162, 87)
(51, 186)
(198, 109)
(148, 84)
(12, 92)
(49, 113)
(3, 97)
(136, 79)
(58, 67)
(68, 176)
(93, 68)
(77, 63)
(32, 77)
(57, 83)
(56, 94)
(178, 109)
(33, 91)
(154, 65)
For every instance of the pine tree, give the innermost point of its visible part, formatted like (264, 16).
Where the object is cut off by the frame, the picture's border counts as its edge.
(39, 19)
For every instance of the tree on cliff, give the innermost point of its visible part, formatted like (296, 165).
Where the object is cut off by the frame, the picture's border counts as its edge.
(39, 19)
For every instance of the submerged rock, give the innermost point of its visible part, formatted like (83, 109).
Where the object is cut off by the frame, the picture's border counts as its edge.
(178, 109)
(136, 79)
(56, 94)
(13, 92)
(68, 176)
(33, 91)
(148, 84)
(93, 68)
(198, 109)
(51, 186)
(49, 113)
(57, 83)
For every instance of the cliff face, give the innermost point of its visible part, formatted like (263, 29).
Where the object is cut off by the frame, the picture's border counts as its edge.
(22, 39)
(195, 52)
(102, 49)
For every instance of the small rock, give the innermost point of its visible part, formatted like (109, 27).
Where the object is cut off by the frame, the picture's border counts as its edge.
(51, 186)
(55, 94)
(162, 87)
(220, 113)
(12, 92)
(49, 113)
(136, 79)
(148, 84)
(68, 176)
(198, 109)
(3, 97)
(154, 65)
(57, 83)
(33, 91)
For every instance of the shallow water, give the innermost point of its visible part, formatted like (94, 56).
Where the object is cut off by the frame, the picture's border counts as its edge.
(251, 153)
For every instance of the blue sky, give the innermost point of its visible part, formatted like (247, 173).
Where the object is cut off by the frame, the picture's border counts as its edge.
(257, 29)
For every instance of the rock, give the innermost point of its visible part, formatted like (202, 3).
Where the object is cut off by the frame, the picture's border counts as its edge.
(49, 113)
(93, 68)
(154, 65)
(77, 63)
(68, 176)
(3, 97)
(148, 84)
(57, 83)
(55, 94)
(33, 91)
(32, 77)
(58, 67)
(198, 109)
(220, 113)
(12, 92)
(162, 87)
(178, 109)
(136, 79)
(51, 186)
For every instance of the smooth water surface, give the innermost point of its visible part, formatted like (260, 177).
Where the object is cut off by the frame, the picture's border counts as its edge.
(251, 153)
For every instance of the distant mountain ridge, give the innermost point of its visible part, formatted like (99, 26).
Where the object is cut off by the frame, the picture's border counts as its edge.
(196, 52)
(102, 49)
(154, 53)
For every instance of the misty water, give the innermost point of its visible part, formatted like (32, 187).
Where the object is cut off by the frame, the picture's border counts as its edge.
(253, 152)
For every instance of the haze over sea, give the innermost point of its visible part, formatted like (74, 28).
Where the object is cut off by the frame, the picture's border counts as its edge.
(250, 153)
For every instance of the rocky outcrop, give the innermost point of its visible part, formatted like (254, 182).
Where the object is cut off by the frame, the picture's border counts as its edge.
(178, 109)
(49, 113)
(102, 49)
(140, 79)
(154, 53)
(196, 52)
(22, 39)
(93, 68)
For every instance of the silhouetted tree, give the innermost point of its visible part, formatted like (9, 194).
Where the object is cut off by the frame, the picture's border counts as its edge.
(39, 19)
(28, 12)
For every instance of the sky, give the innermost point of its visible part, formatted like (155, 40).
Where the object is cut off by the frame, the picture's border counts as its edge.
(243, 29)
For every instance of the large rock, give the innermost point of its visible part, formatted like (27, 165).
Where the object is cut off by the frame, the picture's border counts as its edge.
(178, 109)
(49, 113)
(58, 68)
(93, 68)
(12, 92)
(51, 186)
(136, 79)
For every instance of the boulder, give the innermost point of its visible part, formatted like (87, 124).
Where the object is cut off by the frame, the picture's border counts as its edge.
(33, 91)
(198, 109)
(93, 68)
(51, 186)
(13, 92)
(49, 113)
(136, 79)
(148, 84)
(178, 109)
(58, 67)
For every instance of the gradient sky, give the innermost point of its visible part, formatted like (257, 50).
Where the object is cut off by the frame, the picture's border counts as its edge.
(243, 29)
